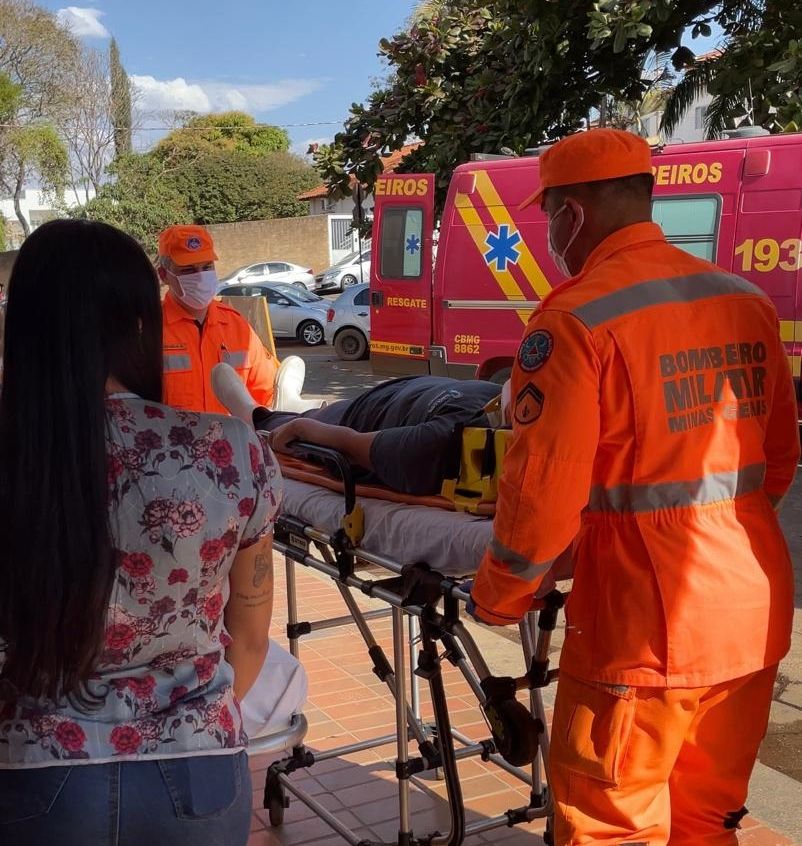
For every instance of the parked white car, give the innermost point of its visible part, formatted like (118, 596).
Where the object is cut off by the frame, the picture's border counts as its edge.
(294, 312)
(272, 271)
(348, 324)
(346, 273)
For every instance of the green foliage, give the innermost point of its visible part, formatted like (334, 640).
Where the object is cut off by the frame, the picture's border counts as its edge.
(10, 97)
(147, 194)
(139, 199)
(472, 77)
(39, 148)
(2, 234)
(235, 132)
(757, 78)
(231, 186)
(120, 102)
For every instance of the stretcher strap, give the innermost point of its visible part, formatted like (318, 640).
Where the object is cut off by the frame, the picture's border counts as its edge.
(312, 474)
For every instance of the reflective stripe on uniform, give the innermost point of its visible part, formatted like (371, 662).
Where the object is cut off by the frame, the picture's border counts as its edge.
(235, 359)
(177, 362)
(714, 487)
(681, 289)
(518, 566)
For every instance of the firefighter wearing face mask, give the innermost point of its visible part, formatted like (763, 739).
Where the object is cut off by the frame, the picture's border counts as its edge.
(654, 433)
(200, 332)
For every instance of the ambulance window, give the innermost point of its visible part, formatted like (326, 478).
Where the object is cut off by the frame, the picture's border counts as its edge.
(401, 243)
(690, 223)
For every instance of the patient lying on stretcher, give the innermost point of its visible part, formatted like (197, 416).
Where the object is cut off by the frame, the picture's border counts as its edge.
(399, 433)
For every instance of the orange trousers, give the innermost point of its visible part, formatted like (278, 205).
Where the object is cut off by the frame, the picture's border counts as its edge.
(655, 766)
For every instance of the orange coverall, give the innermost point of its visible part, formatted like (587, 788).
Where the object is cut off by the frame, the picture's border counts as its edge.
(654, 418)
(191, 351)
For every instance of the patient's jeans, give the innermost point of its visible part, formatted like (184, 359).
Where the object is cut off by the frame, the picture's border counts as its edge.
(203, 801)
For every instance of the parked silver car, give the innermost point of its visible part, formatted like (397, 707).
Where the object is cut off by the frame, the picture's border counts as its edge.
(272, 271)
(348, 324)
(352, 270)
(294, 313)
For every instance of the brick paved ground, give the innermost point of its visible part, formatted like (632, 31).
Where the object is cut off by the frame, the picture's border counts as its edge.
(347, 703)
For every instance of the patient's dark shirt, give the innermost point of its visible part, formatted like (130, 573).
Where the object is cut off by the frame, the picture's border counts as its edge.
(416, 418)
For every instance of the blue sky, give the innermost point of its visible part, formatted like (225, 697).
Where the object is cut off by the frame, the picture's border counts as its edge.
(284, 61)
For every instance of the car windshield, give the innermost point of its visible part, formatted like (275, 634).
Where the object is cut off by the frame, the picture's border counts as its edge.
(298, 293)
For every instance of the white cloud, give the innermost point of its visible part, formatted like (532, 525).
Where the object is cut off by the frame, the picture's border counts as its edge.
(85, 23)
(178, 94)
(157, 95)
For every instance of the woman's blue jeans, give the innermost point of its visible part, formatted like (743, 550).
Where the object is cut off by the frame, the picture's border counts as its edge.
(204, 801)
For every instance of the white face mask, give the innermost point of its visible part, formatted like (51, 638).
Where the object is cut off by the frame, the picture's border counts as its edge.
(197, 290)
(559, 257)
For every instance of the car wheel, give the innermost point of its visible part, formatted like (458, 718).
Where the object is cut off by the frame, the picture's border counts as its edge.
(348, 280)
(311, 333)
(351, 345)
(299, 285)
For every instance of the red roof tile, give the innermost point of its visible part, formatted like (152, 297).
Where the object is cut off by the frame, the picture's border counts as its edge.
(389, 163)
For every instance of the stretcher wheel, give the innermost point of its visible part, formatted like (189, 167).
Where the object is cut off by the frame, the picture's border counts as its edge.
(276, 801)
(515, 731)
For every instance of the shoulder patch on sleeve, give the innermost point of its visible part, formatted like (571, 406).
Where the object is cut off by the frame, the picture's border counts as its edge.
(535, 350)
(529, 404)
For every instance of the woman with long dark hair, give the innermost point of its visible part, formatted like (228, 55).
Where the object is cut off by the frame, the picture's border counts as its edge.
(135, 566)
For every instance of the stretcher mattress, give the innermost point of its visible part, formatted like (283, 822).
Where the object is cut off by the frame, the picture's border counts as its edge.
(450, 542)
(278, 692)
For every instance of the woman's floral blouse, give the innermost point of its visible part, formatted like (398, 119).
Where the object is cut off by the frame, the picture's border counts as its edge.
(186, 491)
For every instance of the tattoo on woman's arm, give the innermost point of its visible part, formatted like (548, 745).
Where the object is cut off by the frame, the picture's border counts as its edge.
(263, 566)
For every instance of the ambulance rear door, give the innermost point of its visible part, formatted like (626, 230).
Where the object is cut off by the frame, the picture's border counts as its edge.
(401, 274)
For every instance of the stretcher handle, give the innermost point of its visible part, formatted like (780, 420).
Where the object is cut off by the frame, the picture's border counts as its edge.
(335, 462)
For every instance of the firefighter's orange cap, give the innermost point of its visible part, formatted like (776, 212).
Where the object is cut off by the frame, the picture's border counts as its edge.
(591, 157)
(187, 245)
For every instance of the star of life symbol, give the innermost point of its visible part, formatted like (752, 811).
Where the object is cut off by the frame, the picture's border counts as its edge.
(413, 244)
(502, 247)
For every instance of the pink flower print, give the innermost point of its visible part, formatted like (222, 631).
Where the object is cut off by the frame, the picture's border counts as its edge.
(153, 413)
(181, 436)
(257, 458)
(178, 693)
(226, 720)
(187, 518)
(119, 636)
(205, 667)
(162, 607)
(246, 507)
(70, 736)
(142, 688)
(148, 440)
(156, 516)
(137, 564)
(229, 477)
(114, 469)
(221, 453)
(229, 539)
(177, 576)
(125, 740)
(212, 551)
(213, 607)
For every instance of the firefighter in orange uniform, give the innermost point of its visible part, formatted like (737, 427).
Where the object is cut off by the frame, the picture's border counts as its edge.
(655, 432)
(200, 332)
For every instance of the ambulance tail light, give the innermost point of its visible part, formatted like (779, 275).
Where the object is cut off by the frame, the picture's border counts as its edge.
(330, 316)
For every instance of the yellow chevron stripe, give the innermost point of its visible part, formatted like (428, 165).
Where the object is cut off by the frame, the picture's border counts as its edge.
(796, 365)
(531, 269)
(478, 232)
(791, 330)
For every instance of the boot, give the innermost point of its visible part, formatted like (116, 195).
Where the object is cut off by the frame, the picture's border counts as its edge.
(232, 393)
(289, 384)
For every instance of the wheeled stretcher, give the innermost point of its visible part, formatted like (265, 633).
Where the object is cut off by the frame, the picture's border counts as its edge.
(420, 554)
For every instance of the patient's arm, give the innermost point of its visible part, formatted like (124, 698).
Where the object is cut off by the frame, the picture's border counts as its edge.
(354, 445)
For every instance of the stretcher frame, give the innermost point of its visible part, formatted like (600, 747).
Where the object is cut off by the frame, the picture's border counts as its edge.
(425, 609)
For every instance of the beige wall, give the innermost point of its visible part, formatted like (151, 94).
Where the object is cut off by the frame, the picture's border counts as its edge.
(301, 240)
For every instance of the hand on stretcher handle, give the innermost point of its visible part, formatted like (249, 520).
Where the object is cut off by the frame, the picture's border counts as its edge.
(335, 462)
